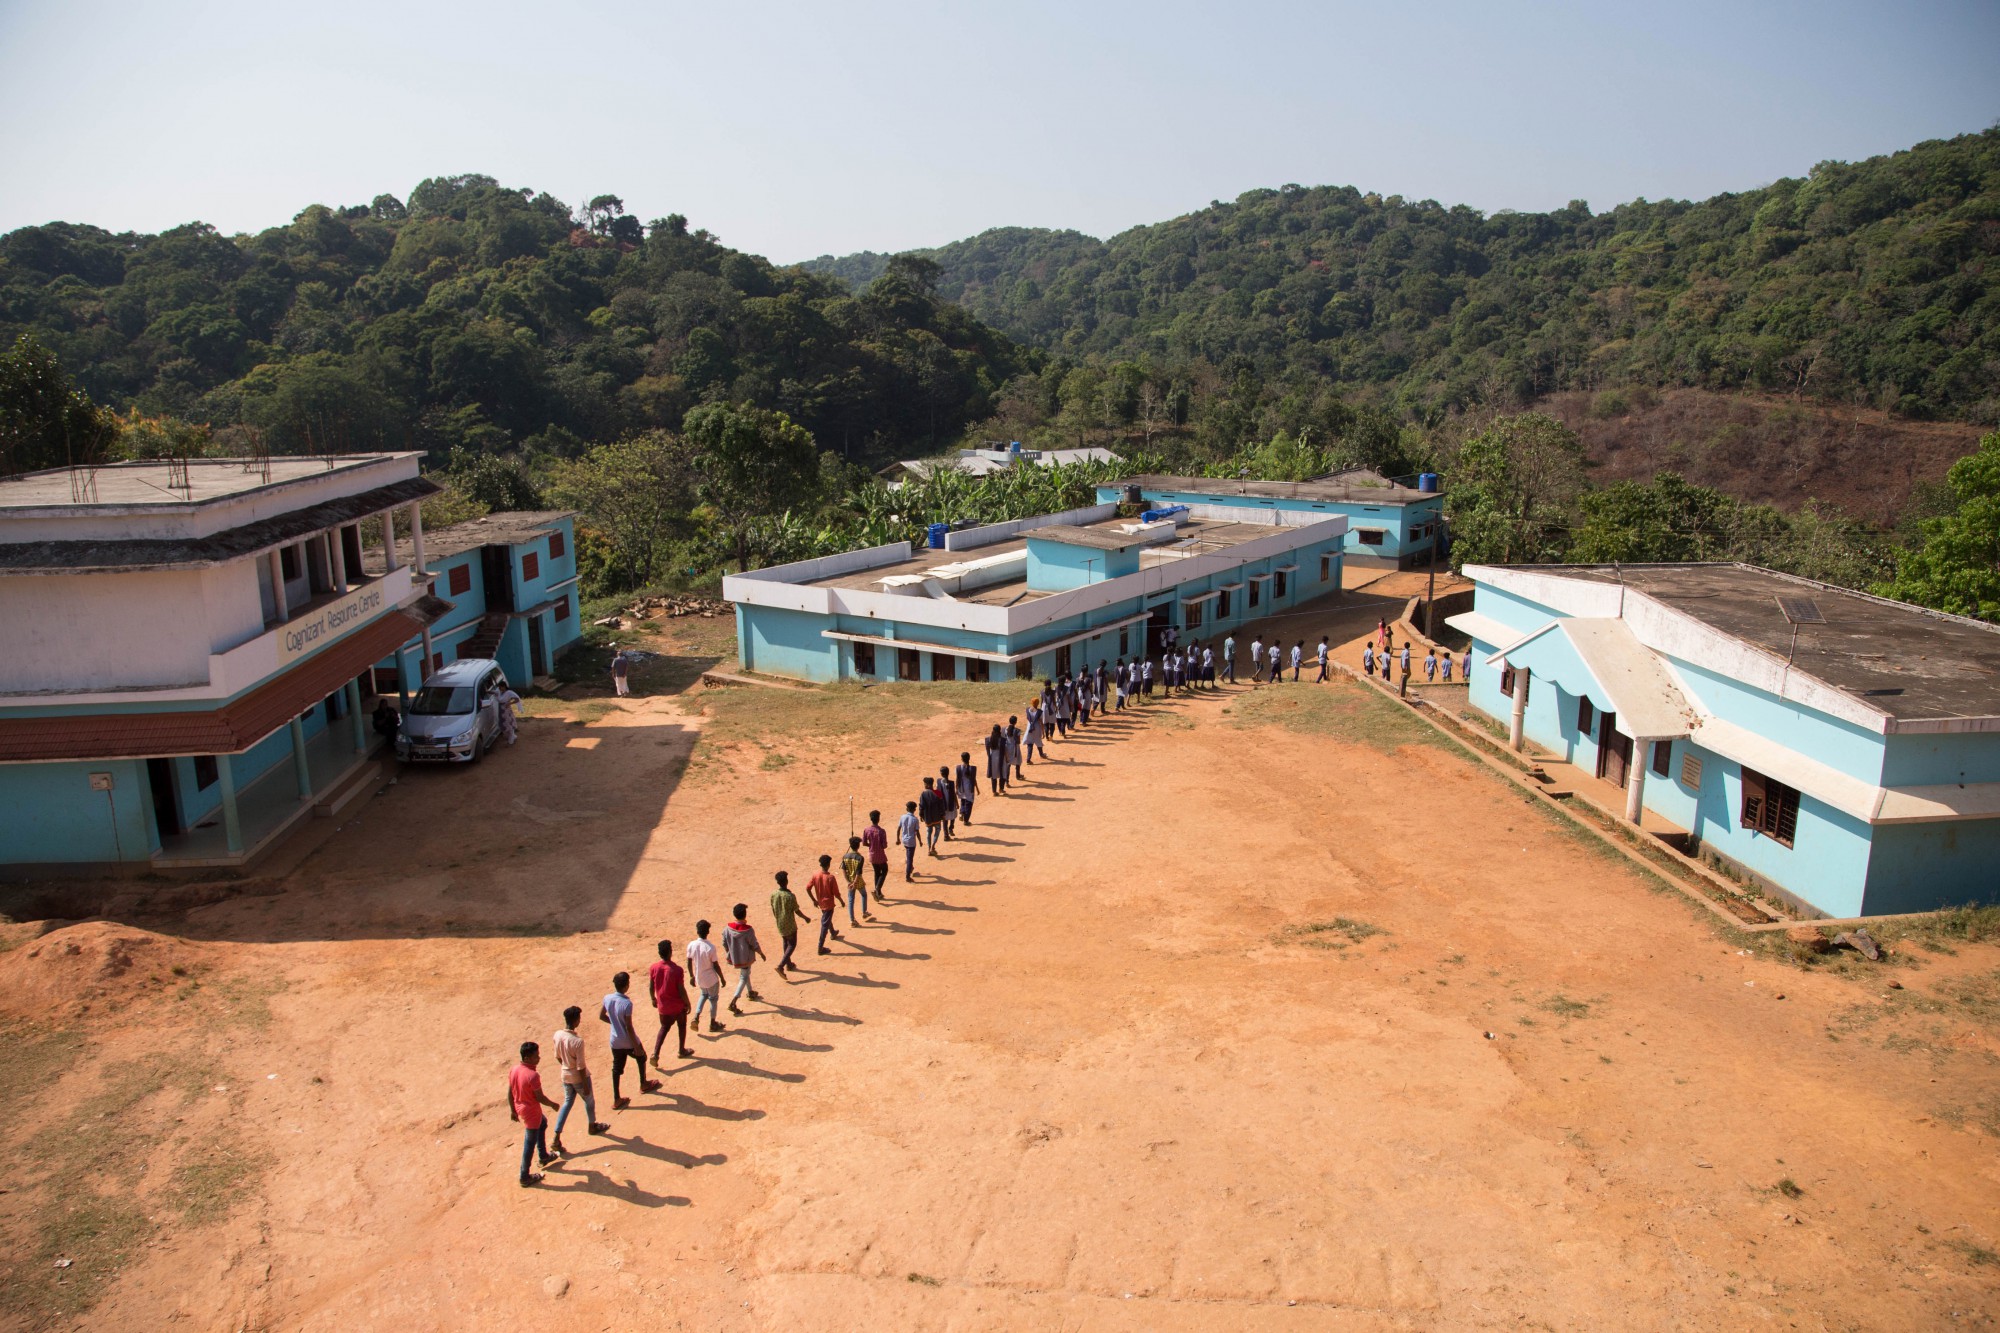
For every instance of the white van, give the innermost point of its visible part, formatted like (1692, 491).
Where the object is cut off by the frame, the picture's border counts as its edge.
(455, 716)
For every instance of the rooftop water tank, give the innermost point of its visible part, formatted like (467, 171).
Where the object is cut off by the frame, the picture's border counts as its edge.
(1427, 481)
(937, 531)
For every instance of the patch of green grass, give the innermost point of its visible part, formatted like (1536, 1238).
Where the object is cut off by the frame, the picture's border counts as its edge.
(1975, 998)
(208, 1190)
(1976, 1255)
(97, 1234)
(1341, 709)
(1335, 934)
(1940, 930)
(1564, 1007)
(1789, 1188)
(775, 760)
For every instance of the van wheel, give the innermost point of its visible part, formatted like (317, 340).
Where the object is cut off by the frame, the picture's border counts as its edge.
(478, 748)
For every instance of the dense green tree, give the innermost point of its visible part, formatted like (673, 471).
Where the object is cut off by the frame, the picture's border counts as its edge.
(45, 421)
(751, 463)
(1514, 490)
(1957, 566)
(638, 494)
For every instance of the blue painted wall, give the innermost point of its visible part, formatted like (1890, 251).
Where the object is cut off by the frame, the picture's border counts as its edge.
(1060, 566)
(1399, 523)
(54, 818)
(1917, 867)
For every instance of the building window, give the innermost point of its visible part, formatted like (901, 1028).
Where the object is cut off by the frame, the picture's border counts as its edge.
(1507, 684)
(944, 666)
(1325, 568)
(557, 546)
(1369, 536)
(864, 659)
(459, 580)
(1663, 757)
(1255, 592)
(1769, 807)
(909, 664)
(1690, 772)
(204, 771)
(978, 669)
(288, 562)
(1586, 716)
(1062, 660)
(1193, 615)
(1124, 641)
(531, 566)
(1221, 605)
(1278, 587)
(1024, 668)
(562, 607)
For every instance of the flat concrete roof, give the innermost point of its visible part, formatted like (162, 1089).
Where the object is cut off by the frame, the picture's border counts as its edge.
(1330, 491)
(502, 529)
(123, 485)
(1908, 662)
(1197, 537)
(1095, 536)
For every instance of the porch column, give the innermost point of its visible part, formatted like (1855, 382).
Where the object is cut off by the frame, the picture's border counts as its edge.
(424, 667)
(403, 681)
(389, 540)
(1635, 783)
(300, 768)
(277, 559)
(336, 558)
(232, 826)
(417, 540)
(1517, 726)
(360, 727)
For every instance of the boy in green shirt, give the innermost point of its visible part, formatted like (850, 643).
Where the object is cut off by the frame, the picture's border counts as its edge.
(851, 866)
(785, 909)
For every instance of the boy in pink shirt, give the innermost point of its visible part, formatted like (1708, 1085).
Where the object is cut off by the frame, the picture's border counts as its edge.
(525, 1100)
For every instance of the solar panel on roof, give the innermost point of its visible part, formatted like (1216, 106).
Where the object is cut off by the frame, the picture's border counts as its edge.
(1801, 610)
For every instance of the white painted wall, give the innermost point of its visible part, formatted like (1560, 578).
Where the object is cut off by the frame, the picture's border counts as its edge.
(81, 632)
(967, 539)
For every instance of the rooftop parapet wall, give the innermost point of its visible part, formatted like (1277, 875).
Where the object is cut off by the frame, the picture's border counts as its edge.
(969, 538)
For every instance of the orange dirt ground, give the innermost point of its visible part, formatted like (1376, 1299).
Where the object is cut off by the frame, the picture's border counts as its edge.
(1264, 1009)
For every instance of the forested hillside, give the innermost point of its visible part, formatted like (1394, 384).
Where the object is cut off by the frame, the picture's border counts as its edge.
(1869, 283)
(493, 320)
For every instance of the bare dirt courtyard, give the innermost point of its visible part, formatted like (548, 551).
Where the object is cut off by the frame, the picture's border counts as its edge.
(1260, 1009)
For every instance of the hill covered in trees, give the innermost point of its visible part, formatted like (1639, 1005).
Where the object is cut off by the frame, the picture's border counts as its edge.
(1870, 283)
(491, 320)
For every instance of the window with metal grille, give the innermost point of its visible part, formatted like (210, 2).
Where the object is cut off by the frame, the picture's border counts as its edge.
(1254, 591)
(1325, 568)
(460, 580)
(1586, 716)
(1062, 660)
(1663, 757)
(1194, 615)
(1278, 588)
(1690, 772)
(978, 668)
(1770, 807)
(1369, 536)
(557, 546)
(531, 566)
(1222, 605)
(944, 666)
(1507, 684)
(864, 659)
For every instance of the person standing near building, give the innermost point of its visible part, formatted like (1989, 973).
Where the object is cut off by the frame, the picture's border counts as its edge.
(968, 776)
(948, 802)
(1277, 666)
(1146, 679)
(1012, 756)
(824, 890)
(1229, 658)
(1430, 664)
(1257, 659)
(1321, 677)
(739, 943)
(1368, 659)
(617, 1012)
(785, 915)
(1406, 661)
(525, 1100)
(876, 839)
(569, 1048)
(508, 704)
(1465, 665)
(621, 667)
(668, 986)
(852, 864)
(1064, 708)
(707, 973)
(906, 834)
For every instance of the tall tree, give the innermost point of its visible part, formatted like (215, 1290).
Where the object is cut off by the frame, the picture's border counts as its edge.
(1513, 490)
(753, 463)
(1957, 568)
(637, 494)
(45, 421)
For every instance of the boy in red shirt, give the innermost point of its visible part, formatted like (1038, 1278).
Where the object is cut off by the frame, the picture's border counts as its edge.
(825, 890)
(525, 1100)
(670, 998)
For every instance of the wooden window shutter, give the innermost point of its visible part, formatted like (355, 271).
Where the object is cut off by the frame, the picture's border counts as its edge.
(1753, 800)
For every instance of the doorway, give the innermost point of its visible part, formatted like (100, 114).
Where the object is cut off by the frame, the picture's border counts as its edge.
(538, 664)
(166, 803)
(1159, 620)
(497, 564)
(1614, 751)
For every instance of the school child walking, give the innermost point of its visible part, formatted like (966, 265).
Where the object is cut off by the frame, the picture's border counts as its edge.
(876, 839)
(968, 780)
(525, 1100)
(739, 942)
(906, 834)
(706, 970)
(824, 890)
(857, 892)
(785, 915)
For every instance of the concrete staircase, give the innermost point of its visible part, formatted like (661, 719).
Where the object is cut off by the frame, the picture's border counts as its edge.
(486, 640)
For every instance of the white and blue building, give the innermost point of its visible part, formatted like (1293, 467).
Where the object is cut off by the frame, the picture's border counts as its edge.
(1388, 525)
(1031, 598)
(1838, 749)
(188, 652)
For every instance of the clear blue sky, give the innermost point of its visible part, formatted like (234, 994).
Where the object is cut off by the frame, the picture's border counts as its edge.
(795, 129)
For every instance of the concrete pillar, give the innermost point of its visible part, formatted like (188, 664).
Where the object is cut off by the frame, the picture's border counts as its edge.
(424, 667)
(1517, 725)
(403, 680)
(359, 723)
(277, 559)
(300, 768)
(1635, 784)
(388, 539)
(232, 826)
(336, 558)
(417, 540)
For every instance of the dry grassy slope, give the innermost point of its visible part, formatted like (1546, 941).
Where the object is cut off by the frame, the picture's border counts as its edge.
(1766, 449)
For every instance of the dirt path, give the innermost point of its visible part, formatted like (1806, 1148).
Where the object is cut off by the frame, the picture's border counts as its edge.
(1192, 1032)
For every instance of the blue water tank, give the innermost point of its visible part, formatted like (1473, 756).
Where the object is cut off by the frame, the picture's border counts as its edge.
(1427, 481)
(1155, 515)
(937, 531)
(1014, 447)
